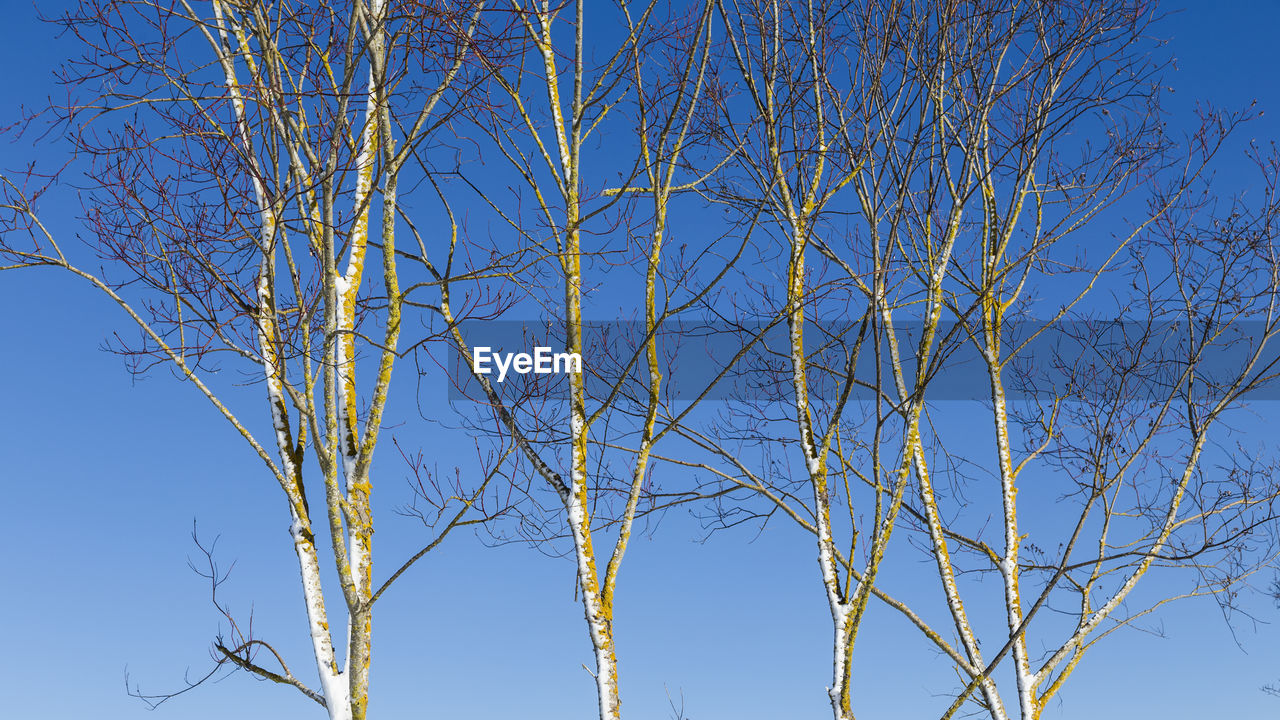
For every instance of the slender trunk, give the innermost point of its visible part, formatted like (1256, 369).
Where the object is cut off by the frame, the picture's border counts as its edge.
(336, 696)
(358, 662)
(842, 677)
(598, 609)
(842, 616)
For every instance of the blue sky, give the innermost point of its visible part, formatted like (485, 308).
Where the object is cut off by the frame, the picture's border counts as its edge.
(103, 476)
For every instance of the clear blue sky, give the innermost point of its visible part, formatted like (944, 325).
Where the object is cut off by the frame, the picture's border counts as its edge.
(102, 478)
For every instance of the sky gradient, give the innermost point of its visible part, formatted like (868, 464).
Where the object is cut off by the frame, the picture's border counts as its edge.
(103, 477)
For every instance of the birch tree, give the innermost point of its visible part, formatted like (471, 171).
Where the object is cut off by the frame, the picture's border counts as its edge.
(1130, 475)
(975, 146)
(1127, 431)
(242, 165)
(1039, 190)
(845, 108)
(549, 102)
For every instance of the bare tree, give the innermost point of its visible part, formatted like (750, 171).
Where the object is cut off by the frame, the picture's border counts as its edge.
(1138, 493)
(937, 167)
(1123, 426)
(844, 107)
(242, 166)
(549, 100)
